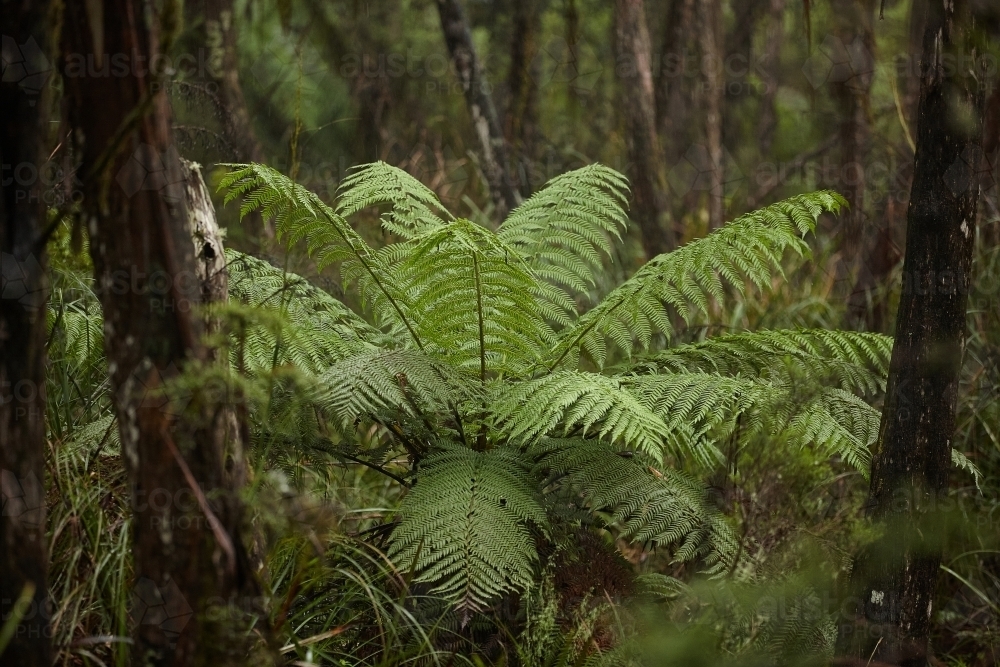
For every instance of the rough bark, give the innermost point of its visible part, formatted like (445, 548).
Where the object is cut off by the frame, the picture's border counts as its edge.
(493, 155)
(24, 99)
(893, 581)
(715, 93)
(521, 119)
(191, 577)
(202, 227)
(646, 169)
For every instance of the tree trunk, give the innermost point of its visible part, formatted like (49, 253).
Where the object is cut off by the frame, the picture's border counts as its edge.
(715, 92)
(893, 581)
(850, 86)
(221, 33)
(671, 103)
(571, 28)
(521, 119)
(646, 169)
(485, 123)
(775, 34)
(192, 583)
(24, 97)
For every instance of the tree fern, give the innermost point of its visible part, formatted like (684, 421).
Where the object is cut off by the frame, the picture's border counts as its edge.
(471, 366)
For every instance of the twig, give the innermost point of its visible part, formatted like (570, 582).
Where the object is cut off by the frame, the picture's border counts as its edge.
(221, 536)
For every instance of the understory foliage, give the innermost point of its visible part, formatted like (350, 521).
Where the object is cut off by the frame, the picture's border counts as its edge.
(524, 401)
(453, 454)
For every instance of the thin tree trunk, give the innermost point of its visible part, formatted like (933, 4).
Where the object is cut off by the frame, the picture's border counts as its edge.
(646, 169)
(893, 581)
(191, 574)
(571, 25)
(521, 119)
(485, 123)
(24, 98)
(850, 88)
(210, 261)
(221, 34)
(715, 92)
(775, 34)
(671, 102)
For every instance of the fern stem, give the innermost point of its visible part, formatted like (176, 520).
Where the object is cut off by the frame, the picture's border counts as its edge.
(582, 334)
(364, 263)
(481, 438)
(479, 307)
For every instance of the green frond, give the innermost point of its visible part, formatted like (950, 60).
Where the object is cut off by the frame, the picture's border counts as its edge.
(395, 383)
(414, 209)
(962, 462)
(565, 230)
(465, 526)
(649, 506)
(472, 298)
(301, 215)
(748, 249)
(837, 421)
(571, 402)
(289, 320)
(79, 327)
(857, 361)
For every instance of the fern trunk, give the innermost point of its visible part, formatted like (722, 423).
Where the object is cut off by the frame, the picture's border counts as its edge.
(893, 581)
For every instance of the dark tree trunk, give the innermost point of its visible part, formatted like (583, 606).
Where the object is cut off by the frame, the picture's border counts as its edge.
(571, 26)
(485, 122)
(24, 98)
(191, 576)
(893, 581)
(646, 169)
(521, 119)
(671, 102)
(767, 123)
(715, 93)
(850, 87)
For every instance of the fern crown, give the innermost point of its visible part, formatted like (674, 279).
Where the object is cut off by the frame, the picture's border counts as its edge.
(490, 360)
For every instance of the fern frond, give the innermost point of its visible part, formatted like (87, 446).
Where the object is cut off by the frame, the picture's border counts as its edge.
(857, 361)
(748, 249)
(400, 383)
(414, 209)
(837, 421)
(464, 526)
(290, 321)
(963, 462)
(567, 402)
(565, 230)
(473, 300)
(301, 215)
(649, 506)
